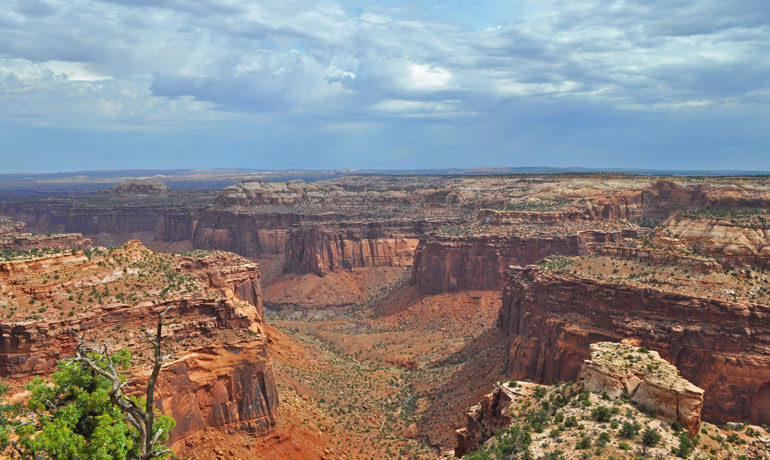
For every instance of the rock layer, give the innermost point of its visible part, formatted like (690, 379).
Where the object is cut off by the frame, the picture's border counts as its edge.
(723, 347)
(226, 387)
(445, 264)
(320, 252)
(222, 377)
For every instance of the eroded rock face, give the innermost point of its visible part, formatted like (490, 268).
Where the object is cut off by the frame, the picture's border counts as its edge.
(617, 368)
(317, 251)
(223, 387)
(221, 376)
(485, 417)
(743, 240)
(723, 347)
(445, 264)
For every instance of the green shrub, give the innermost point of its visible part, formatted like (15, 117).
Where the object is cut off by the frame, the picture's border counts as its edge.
(628, 430)
(601, 414)
(685, 446)
(650, 437)
(584, 443)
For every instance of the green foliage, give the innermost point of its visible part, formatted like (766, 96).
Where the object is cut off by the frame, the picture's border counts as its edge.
(676, 426)
(629, 430)
(529, 206)
(72, 417)
(686, 446)
(601, 414)
(650, 437)
(557, 263)
(584, 443)
(510, 442)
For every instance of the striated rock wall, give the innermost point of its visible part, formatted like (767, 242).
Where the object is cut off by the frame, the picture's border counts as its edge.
(226, 387)
(246, 234)
(314, 250)
(723, 347)
(444, 264)
(221, 378)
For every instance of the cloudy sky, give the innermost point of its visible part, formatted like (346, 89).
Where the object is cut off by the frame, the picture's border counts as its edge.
(384, 84)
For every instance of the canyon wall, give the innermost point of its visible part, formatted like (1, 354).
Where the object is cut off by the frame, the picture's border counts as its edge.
(723, 347)
(319, 251)
(220, 377)
(222, 387)
(443, 264)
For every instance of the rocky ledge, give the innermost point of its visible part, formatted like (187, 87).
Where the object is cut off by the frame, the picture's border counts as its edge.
(618, 369)
(221, 376)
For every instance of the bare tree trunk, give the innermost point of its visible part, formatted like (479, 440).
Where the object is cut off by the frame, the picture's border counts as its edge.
(142, 419)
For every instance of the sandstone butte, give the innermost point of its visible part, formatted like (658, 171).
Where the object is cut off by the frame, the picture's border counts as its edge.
(220, 376)
(551, 318)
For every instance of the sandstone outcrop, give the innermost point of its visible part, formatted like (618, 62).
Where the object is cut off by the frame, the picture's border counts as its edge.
(742, 240)
(721, 346)
(617, 369)
(221, 376)
(485, 417)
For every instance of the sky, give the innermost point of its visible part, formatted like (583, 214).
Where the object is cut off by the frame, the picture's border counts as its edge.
(384, 84)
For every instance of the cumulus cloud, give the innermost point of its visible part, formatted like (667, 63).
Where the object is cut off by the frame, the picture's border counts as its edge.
(148, 64)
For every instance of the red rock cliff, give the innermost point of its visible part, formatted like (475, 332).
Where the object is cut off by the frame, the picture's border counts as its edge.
(723, 347)
(443, 264)
(317, 251)
(221, 376)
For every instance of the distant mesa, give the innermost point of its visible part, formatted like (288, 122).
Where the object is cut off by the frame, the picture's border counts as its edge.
(139, 187)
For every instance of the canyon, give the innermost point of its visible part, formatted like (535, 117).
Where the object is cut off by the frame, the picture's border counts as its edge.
(379, 308)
